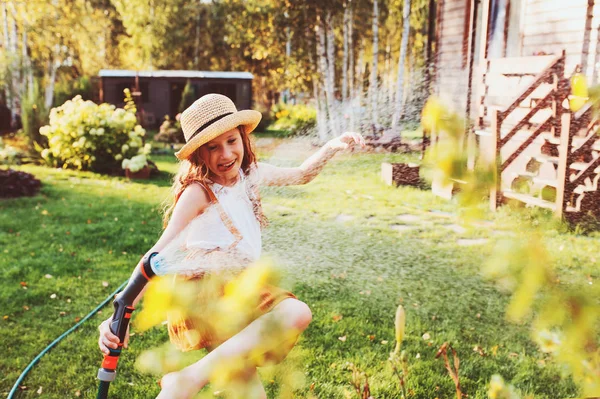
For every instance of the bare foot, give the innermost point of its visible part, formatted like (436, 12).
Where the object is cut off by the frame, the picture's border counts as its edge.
(176, 385)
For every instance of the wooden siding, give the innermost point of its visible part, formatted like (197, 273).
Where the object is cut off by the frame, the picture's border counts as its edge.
(452, 78)
(551, 26)
(546, 27)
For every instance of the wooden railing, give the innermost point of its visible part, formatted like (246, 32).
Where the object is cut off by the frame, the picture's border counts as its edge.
(554, 73)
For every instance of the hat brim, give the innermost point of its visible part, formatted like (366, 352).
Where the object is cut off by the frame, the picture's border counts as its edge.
(247, 118)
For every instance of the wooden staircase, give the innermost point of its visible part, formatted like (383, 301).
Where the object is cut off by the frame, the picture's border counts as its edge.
(547, 156)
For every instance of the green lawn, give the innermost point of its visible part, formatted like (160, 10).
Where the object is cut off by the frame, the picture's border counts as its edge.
(351, 247)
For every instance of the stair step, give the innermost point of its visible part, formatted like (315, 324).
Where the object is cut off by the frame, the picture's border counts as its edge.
(545, 182)
(578, 165)
(577, 141)
(505, 130)
(526, 175)
(529, 200)
(537, 180)
(546, 158)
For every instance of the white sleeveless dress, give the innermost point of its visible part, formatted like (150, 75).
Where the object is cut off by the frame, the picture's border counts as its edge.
(209, 231)
(228, 227)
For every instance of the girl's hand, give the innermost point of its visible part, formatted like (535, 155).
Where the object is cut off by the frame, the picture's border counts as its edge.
(108, 339)
(346, 140)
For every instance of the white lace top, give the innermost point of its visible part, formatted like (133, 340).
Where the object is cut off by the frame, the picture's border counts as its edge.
(208, 230)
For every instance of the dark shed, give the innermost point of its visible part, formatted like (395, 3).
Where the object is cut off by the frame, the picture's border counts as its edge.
(161, 91)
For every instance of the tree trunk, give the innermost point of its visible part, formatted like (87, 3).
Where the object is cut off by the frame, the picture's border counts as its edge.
(389, 81)
(322, 72)
(344, 124)
(401, 62)
(345, 59)
(14, 69)
(331, 75)
(360, 76)
(373, 81)
(351, 65)
(8, 94)
(288, 56)
(321, 113)
(197, 44)
(52, 67)
(27, 70)
(586, 37)
(6, 39)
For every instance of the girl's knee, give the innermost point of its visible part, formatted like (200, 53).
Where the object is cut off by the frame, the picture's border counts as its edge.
(304, 316)
(299, 313)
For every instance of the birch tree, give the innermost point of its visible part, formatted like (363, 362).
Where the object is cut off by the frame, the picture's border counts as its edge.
(351, 62)
(323, 71)
(401, 63)
(330, 76)
(373, 80)
(346, 28)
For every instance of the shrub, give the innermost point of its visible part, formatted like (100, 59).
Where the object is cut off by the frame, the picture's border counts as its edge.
(17, 184)
(170, 132)
(136, 163)
(298, 119)
(67, 88)
(33, 116)
(86, 136)
(10, 155)
(187, 97)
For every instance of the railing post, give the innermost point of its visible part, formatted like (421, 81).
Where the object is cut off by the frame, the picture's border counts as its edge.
(496, 159)
(564, 160)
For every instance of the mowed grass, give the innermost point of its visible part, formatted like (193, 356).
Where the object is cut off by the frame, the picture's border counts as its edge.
(350, 247)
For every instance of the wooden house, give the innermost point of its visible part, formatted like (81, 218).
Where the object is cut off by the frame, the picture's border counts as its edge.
(160, 92)
(507, 64)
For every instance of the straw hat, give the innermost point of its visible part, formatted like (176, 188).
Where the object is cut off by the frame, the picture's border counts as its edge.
(210, 116)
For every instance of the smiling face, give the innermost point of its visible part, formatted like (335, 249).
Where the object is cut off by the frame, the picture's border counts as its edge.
(223, 156)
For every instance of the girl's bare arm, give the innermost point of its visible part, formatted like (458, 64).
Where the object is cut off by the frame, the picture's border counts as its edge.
(271, 175)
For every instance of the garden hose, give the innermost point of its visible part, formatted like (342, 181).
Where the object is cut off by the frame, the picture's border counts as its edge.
(60, 338)
(119, 325)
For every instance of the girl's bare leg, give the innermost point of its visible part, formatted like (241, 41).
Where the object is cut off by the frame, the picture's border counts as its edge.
(291, 315)
(256, 390)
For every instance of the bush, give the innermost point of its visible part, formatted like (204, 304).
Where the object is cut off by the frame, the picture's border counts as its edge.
(298, 119)
(10, 155)
(85, 136)
(67, 88)
(187, 97)
(34, 115)
(170, 132)
(17, 184)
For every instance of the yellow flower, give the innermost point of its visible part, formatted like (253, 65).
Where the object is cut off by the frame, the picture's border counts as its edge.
(433, 112)
(497, 386)
(548, 341)
(579, 92)
(500, 390)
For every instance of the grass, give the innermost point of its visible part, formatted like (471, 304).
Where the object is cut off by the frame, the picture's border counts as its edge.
(351, 247)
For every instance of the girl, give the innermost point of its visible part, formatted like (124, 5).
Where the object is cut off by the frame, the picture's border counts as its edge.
(218, 179)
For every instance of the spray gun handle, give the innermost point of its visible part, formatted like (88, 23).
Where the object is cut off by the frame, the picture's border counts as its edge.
(123, 305)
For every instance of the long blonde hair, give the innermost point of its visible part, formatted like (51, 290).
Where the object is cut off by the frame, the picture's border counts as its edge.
(194, 170)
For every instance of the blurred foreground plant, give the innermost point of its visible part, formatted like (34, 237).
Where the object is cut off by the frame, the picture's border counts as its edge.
(219, 305)
(452, 371)
(398, 358)
(566, 316)
(446, 160)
